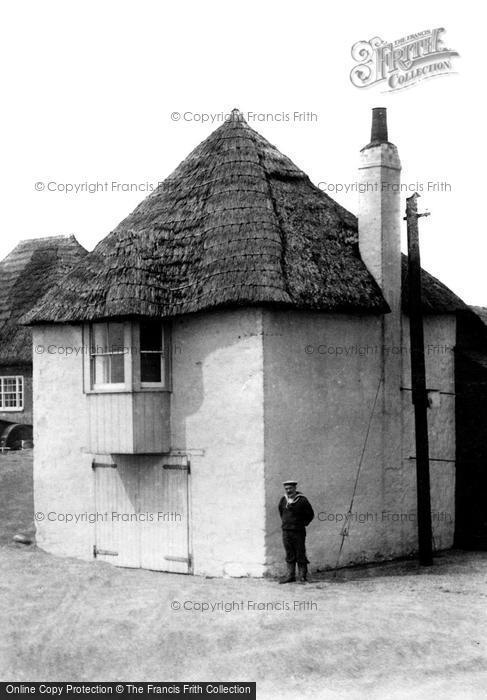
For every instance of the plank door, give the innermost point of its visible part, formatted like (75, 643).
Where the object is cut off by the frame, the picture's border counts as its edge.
(164, 533)
(117, 533)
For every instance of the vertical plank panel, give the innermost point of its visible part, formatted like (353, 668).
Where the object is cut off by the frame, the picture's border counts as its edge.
(154, 412)
(164, 495)
(111, 423)
(116, 497)
(129, 398)
(92, 436)
(151, 422)
(100, 403)
(116, 419)
(129, 423)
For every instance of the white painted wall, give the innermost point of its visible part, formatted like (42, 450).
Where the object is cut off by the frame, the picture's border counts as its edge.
(321, 376)
(249, 392)
(63, 479)
(317, 406)
(217, 417)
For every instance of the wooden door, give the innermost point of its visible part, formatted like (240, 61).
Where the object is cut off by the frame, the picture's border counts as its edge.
(164, 540)
(147, 501)
(117, 533)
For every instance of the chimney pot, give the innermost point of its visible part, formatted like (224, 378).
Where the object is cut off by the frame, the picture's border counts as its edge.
(379, 126)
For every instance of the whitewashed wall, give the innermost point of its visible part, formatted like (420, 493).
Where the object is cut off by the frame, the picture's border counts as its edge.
(217, 417)
(252, 405)
(318, 399)
(320, 384)
(63, 478)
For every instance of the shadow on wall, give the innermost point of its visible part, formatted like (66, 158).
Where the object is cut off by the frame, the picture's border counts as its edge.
(211, 359)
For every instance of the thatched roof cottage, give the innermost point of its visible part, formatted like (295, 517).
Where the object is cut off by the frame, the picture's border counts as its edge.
(233, 330)
(471, 429)
(26, 274)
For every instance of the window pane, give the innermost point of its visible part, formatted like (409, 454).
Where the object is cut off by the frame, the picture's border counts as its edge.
(99, 337)
(115, 337)
(151, 335)
(100, 366)
(117, 369)
(10, 400)
(107, 368)
(150, 367)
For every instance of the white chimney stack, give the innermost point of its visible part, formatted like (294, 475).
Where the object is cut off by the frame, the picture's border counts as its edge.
(379, 217)
(379, 225)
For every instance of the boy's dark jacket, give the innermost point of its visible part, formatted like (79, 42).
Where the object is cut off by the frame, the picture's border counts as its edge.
(297, 515)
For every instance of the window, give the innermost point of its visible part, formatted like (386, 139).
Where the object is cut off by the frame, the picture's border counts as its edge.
(127, 356)
(152, 356)
(11, 393)
(107, 356)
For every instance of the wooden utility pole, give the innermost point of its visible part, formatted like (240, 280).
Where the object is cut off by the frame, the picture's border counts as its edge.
(418, 381)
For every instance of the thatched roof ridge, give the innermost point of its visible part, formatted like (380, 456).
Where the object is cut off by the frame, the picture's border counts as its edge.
(26, 274)
(237, 223)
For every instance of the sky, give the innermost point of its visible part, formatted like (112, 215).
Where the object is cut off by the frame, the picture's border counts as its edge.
(91, 91)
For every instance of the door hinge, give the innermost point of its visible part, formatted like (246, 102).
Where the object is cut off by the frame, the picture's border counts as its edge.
(103, 465)
(103, 552)
(182, 467)
(183, 560)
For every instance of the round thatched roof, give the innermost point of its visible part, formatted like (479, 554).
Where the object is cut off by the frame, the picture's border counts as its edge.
(237, 223)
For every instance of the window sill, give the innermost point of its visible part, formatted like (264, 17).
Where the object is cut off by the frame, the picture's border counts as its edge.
(109, 389)
(126, 390)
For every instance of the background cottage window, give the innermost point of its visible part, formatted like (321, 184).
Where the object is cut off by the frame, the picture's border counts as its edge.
(11, 393)
(152, 355)
(108, 354)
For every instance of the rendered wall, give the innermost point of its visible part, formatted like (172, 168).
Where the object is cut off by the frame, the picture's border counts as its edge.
(321, 376)
(289, 390)
(63, 478)
(217, 419)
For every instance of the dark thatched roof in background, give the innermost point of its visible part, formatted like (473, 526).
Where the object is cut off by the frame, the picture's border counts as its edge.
(26, 274)
(437, 298)
(473, 331)
(481, 312)
(237, 223)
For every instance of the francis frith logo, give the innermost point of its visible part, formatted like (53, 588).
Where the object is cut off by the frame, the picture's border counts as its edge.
(403, 62)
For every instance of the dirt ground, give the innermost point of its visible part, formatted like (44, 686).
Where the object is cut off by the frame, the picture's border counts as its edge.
(393, 631)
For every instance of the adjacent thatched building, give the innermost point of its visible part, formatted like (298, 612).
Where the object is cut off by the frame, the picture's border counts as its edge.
(25, 275)
(471, 422)
(236, 329)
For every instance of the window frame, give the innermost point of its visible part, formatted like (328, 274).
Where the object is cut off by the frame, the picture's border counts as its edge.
(132, 364)
(109, 387)
(163, 359)
(19, 393)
